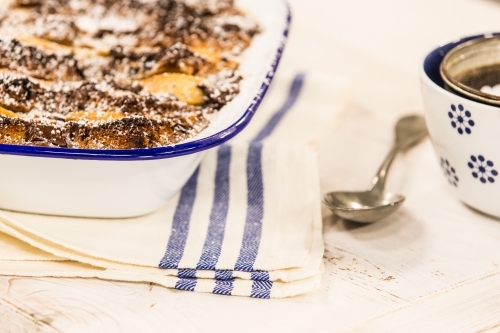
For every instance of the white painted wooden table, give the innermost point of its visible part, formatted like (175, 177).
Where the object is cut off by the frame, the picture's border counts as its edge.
(434, 267)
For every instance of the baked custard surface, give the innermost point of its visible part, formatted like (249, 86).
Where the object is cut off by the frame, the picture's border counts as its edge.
(117, 74)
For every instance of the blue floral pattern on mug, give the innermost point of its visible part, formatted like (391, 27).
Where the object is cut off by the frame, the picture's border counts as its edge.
(461, 119)
(482, 169)
(449, 172)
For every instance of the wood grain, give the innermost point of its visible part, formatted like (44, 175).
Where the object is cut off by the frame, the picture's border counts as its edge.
(15, 319)
(473, 307)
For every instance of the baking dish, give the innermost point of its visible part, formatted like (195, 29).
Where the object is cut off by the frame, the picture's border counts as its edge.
(126, 183)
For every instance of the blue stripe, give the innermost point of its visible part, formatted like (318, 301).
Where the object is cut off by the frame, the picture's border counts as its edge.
(186, 284)
(255, 213)
(261, 289)
(180, 224)
(224, 275)
(293, 95)
(223, 287)
(255, 210)
(218, 216)
(223, 283)
(187, 273)
(260, 276)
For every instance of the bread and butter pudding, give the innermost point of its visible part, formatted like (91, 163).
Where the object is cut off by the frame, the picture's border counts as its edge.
(117, 74)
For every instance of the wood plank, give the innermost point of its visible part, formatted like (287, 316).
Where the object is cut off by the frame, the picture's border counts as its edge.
(14, 319)
(474, 307)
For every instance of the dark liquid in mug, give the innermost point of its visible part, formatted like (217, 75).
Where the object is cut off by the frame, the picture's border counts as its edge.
(479, 77)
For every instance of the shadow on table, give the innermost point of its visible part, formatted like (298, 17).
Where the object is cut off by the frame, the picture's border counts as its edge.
(474, 210)
(397, 231)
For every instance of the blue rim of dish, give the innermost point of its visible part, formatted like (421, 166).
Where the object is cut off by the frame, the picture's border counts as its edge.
(434, 59)
(160, 152)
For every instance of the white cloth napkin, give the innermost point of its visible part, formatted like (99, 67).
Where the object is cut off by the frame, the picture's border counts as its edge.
(248, 222)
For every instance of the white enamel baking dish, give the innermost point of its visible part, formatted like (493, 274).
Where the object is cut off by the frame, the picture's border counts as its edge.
(127, 183)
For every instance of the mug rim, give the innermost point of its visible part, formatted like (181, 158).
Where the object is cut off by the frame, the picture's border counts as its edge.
(460, 87)
(430, 71)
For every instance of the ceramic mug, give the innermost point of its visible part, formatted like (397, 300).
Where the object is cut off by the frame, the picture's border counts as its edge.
(465, 135)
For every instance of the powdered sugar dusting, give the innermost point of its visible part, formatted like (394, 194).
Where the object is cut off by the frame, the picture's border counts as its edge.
(84, 90)
(209, 6)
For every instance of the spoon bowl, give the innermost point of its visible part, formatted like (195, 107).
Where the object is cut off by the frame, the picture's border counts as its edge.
(363, 207)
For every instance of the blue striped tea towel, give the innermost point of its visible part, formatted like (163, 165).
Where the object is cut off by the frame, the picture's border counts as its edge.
(247, 223)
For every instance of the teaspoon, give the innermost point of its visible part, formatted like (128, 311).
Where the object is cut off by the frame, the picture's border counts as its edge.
(376, 204)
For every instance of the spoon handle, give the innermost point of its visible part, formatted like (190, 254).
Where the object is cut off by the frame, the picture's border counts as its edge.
(409, 131)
